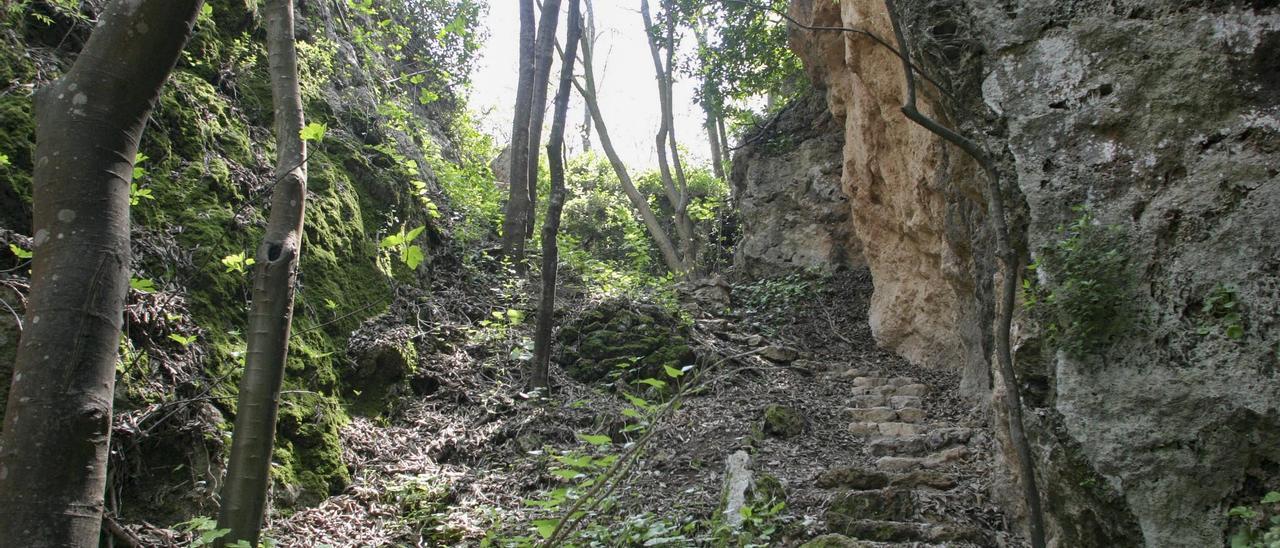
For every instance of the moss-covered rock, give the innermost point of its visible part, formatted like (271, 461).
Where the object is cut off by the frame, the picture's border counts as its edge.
(783, 421)
(626, 340)
(834, 541)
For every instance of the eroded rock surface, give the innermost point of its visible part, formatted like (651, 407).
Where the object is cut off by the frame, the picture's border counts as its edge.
(786, 184)
(1159, 120)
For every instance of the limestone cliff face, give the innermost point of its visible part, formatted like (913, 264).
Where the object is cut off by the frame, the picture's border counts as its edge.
(787, 189)
(1159, 120)
(915, 206)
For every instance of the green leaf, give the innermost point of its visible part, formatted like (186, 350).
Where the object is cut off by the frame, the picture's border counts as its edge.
(654, 383)
(413, 234)
(546, 526)
(417, 79)
(206, 11)
(182, 340)
(1272, 497)
(427, 97)
(143, 285)
(566, 474)
(596, 440)
(1235, 331)
(629, 412)
(637, 401)
(673, 372)
(313, 132)
(4, 160)
(19, 252)
(413, 256)
(328, 303)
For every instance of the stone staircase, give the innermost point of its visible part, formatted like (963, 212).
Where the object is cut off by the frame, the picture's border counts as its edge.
(911, 467)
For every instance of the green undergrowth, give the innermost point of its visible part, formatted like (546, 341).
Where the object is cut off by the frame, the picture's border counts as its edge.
(202, 191)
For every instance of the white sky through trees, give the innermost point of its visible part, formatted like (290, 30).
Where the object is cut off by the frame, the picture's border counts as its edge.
(625, 77)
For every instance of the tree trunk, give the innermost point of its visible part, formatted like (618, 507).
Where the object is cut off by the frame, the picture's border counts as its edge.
(725, 155)
(53, 455)
(588, 91)
(589, 34)
(709, 105)
(676, 187)
(517, 211)
(713, 136)
(545, 42)
(248, 477)
(555, 204)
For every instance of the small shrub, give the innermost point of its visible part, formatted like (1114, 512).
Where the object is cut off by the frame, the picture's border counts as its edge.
(1257, 526)
(1085, 301)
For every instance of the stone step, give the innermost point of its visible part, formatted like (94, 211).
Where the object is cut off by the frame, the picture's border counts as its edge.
(886, 429)
(888, 504)
(935, 460)
(921, 444)
(834, 540)
(860, 478)
(902, 531)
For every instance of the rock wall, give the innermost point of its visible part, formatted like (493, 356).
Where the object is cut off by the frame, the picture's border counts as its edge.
(787, 190)
(1156, 122)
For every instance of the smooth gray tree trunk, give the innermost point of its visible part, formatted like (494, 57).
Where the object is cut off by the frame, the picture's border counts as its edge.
(53, 454)
(244, 494)
(517, 210)
(544, 44)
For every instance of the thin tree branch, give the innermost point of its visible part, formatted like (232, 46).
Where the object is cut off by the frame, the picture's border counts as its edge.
(1008, 259)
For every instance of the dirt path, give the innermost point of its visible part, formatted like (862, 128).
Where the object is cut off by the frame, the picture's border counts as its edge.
(879, 450)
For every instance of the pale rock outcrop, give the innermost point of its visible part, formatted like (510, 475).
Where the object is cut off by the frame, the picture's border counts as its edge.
(786, 186)
(1162, 119)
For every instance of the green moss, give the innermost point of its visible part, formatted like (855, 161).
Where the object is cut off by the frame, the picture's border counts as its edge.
(623, 339)
(782, 421)
(17, 139)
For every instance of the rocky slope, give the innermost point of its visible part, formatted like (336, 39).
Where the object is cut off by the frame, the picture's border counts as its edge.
(1142, 143)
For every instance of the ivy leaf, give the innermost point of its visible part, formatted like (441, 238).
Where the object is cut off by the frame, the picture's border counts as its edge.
(417, 79)
(413, 256)
(596, 440)
(313, 132)
(19, 252)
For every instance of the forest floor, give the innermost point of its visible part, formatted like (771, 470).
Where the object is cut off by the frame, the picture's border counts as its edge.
(869, 446)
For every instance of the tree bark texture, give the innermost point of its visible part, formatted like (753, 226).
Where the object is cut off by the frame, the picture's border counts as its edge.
(53, 454)
(544, 44)
(244, 492)
(555, 205)
(513, 222)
